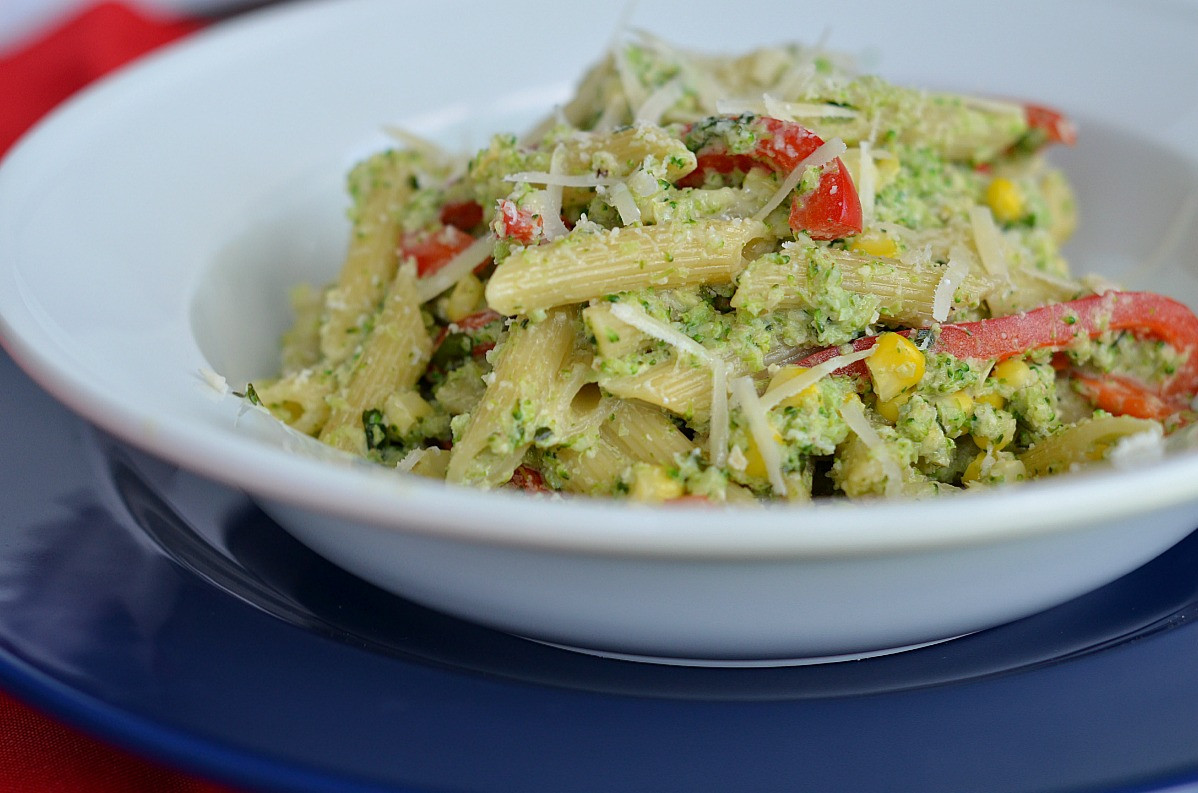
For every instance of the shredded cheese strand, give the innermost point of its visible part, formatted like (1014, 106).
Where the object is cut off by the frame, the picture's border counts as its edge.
(552, 215)
(853, 413)
(829, 151)
(561, 179)
(621, 198)
(638, 318)
(803, 381)
(746, 397)
(946, 288)
(658, 102)
(455, 269)
(717, 439)
(986, 237)
(867, 187)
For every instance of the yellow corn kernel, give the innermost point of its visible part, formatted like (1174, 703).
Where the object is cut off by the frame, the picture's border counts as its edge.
(653, 484)
(958, 402)
(464, 299)
(755, 463)
(973, 471)
(403, 409)
(874, 245)
(785, 375)
(895, 366)
(996, 401)
(889, 409)
(984, 443)
(1012, 373)
(1004, 200)
(888, 167)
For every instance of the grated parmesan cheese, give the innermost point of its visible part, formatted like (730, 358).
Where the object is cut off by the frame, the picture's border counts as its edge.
(455, 269)
(551, 215)
(817, 159)
(989, 242)
(1138, 449)
(638, 318)
(717, 438)
(746, 397)
(803, 381)
(621, 198)
(946, 288)
(658, 102)
(214, 381)
(853, 413)
(867, 172)
(561, 179)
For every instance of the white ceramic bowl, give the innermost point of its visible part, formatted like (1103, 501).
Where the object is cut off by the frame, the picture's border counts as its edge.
(150, 230)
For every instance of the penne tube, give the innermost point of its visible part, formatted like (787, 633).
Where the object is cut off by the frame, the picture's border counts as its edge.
(526, 381)
(299, 399)
(645, 434)
(392, 359)
(383, 186)
(906, 290)
(586, 265)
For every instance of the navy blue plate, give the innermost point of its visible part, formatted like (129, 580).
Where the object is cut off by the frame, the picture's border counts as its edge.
(170, 615)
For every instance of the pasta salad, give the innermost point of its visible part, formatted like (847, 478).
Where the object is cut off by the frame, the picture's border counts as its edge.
(732, 279)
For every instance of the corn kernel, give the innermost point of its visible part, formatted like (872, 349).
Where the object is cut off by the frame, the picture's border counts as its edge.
(1004, 200)
(985, 443)
(889, 409)
(785, 375)
(652, 483)
(958, 402)
(874, 245)
(755, 463)
(402, 409)
(895, 366)
(464, 299)
(1012, 373)
(973, 471)
(996, 401)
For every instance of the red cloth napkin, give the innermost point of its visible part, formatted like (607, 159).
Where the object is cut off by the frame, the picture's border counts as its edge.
(39, 75)
(41, 755)
(37, 753)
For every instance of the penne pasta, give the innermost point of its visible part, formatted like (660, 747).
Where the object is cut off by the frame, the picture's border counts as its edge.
(585, 266)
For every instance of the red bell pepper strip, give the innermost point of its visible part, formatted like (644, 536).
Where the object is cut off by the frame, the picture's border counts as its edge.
(514, 223)
(1055, 326)
(464, 215)
(529, 480)
(1123, 396)
(432, 250)
(831, 211)
(1052, 124)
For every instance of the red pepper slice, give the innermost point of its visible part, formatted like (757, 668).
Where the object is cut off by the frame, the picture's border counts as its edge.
(1055, 326)
(514, 223)
(529, 480)
(831, 211)
(1123, 396)
(1054, 125)
(464, 215)
(432, 250)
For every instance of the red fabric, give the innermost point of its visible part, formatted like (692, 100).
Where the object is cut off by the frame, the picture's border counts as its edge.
(39, 75)
(40, 755)
(37, 753)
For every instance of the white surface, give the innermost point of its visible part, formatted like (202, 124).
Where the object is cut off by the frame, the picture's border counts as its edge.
(151, 229)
